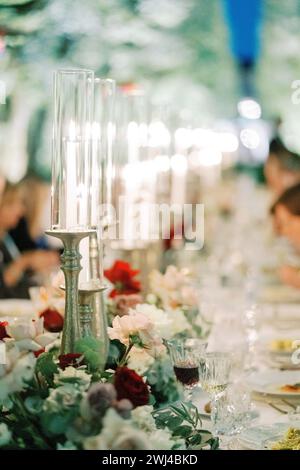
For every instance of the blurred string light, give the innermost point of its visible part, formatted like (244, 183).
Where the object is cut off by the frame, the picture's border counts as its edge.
(179, 164)
(250, 138)
(159, 135)
(253, 131)
(228, 142)
(183, 138)
(162, 163)
(210, 157)
(209, 146)
(248, 108)
(222, 141)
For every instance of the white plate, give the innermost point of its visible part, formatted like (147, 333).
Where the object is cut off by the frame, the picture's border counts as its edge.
(10, 308)
(269, 383)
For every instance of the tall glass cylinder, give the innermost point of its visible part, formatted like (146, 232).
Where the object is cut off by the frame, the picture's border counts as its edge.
(71, 167)
(103, 134)
(134, 188)
(102, 137)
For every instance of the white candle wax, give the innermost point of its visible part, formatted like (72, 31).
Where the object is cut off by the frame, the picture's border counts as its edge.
(71, 179)
(131, 176)
(84, 275)
(96, 173)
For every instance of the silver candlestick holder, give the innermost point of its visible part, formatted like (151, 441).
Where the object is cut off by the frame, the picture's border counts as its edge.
(71, 268)
(86, 308)
(99, 318)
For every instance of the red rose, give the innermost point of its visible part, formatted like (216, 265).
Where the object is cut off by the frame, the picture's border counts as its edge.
(39, 352)
(71, 359)
(53, 321)
(121, 275)
(3, 332)
(130, 385)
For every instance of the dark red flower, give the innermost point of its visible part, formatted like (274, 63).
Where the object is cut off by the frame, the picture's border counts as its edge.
(39, 352)
(53, 320)
(71, 359)
(121, 275)
(130, 385)
(3, 332)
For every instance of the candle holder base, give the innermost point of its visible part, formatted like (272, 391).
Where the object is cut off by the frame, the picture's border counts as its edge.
(99, 323)
(71, 268)
(88, 313)
(86, 296)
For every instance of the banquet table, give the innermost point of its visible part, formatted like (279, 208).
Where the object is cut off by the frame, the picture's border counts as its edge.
(278, 320)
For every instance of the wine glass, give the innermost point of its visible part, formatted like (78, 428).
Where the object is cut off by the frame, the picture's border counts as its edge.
(186, 355)
(214, 370)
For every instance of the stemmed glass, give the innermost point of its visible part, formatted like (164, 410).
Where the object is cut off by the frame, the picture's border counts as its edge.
(215, 368)
(186, 355)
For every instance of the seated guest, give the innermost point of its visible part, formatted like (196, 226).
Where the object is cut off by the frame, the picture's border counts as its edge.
(286, 211)
(16, 269)
(282, 168)
(28, 234)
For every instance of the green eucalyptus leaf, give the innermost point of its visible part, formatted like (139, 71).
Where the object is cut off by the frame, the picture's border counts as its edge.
(116, 351)
(92, 349)
(46, 366)
(195, 440)
(174, 423)
(183, 431)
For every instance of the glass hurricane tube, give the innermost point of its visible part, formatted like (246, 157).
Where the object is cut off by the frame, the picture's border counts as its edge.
(134, 188)
(102, 170)
(103, 136)
(71, 164)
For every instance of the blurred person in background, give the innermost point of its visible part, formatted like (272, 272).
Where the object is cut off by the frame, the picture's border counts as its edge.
(17, 269)
(286, 212)
(29, 232)
(282, 168)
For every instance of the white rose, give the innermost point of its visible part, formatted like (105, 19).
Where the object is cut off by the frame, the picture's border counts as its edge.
(17, 371)
(140, 360)
(62, 398)
(117, 434)
(72, 375)
(159, 318)
(29, 334)
(142, 417)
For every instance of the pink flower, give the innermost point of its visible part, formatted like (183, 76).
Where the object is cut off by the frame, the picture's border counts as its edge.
(173, 289)
(129, 325)
(125, 302)
(189, 296)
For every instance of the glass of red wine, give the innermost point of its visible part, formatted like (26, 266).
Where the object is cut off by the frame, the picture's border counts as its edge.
(186, 355)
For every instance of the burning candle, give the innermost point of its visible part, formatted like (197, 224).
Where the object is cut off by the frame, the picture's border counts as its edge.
(71, 177)
(84, 275)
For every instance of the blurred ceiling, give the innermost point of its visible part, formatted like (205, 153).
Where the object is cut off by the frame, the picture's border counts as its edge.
(187, 52)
